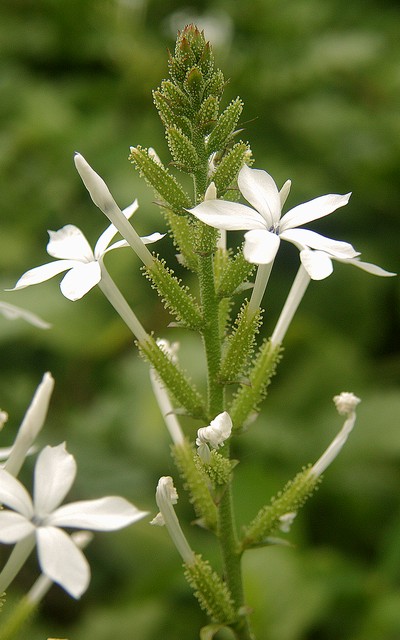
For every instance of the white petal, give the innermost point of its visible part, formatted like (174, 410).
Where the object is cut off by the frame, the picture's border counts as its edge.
(368, 267)
(11, 312)
(77, 282)
(259, 188)
(31, 424)
(70, 243)
(14, 527)
(107, 235)
(231, 216)
(105, 514)
(305, 238)
(260, 246)
(312, 210)
(317, 264)
(62, 561)
(14, 495)
(43, 273)
(55, 472)
(284, 192)
(153, 237)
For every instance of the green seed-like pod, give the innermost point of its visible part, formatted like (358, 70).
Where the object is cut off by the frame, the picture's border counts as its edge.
(177, 98)
(270, 517)
(228, 168)
(226, 125)
(239, 345)
(215, 85)
(176, 380)
(194, 85)
(218, 469)
(249, 396)
(233, 274)
(182, 150)
(175, 297)
(211, 592)
(161, 180)
(182, 237)
(208, 114)
(196, 483)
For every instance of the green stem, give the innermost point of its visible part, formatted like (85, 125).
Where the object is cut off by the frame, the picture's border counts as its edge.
(210, 334)
(231, 555)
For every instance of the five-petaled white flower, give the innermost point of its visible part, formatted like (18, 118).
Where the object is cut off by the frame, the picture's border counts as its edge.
(265, 226)
(75, 255)
(42, 519)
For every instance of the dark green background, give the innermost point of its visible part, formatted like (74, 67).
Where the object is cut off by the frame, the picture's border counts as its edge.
(321, 86)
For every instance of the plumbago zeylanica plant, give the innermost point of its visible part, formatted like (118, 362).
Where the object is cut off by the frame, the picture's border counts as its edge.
(203, 141)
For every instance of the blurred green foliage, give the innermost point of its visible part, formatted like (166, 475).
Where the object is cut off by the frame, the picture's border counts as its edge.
(321, 86)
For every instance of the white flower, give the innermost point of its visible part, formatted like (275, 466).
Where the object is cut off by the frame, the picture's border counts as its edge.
(42, 519)
(264, 223)
(12, 312)
(217, 432)
(75, 255)
(346, 402)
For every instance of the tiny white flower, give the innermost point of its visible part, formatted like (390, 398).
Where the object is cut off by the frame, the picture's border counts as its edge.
(346, 402)
(12, 312)
(286, 521)
(75, 256)
(42, 520)
(265, 226)
(3, 418)
(217, 432)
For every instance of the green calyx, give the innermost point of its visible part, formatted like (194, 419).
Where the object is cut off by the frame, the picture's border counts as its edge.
(270, 518)
(196, 483)
(211, 592)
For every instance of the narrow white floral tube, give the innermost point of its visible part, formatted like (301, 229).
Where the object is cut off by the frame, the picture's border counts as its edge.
(346, 404)
(260, 284)
(31, 425)
(115, 297)
(296, 293)
(102, 198)
(166, 408)
(16, 561)
(166, 497)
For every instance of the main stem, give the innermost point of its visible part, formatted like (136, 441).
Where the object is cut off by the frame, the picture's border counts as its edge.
(227, 527)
